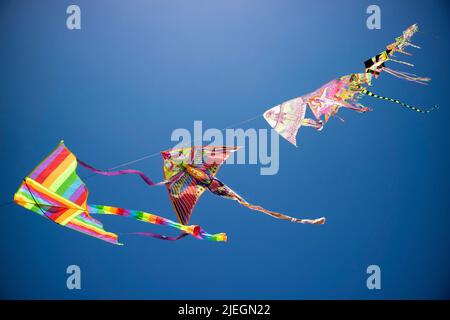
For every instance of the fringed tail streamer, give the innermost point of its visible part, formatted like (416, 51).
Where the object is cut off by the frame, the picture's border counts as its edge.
(407, 76)
(278, 215)
(402, 62)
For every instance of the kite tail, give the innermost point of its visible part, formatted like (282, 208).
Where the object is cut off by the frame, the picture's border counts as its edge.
(412, 45)
(279, 215)
(371, 94)
(192, 230)
(146, 179)
(401, 62)
(407, 76)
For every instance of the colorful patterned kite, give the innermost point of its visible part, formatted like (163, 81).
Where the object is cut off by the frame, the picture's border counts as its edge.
(343, 92)
(376, 65)
(55, 191)
(324, 103)
(190, 171)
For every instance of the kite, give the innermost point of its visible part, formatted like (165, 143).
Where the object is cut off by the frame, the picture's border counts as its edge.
(288, 117)
(190, 171)
(344, 92)
(55, 191)
(376, 65)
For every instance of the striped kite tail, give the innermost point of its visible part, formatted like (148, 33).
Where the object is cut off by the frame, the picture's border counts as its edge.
(371, 94)
(279, 215)
(192, 230)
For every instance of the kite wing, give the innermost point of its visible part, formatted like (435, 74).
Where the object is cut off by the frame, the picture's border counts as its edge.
(55, 191)
(184, 190)
(322, 100)
(287, 118)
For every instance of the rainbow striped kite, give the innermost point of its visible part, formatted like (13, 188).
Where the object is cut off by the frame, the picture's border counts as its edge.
(55, 191)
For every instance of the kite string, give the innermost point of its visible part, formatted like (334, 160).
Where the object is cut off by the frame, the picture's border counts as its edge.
(134, 161)
(151, 155)
(240, 123)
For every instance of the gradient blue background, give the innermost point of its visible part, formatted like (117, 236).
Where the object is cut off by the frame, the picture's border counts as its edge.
(137, 70)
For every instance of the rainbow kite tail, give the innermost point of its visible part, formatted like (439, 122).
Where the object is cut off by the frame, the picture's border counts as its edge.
(192, 230)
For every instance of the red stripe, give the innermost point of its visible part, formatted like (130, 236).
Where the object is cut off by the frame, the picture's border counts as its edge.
(180, 212)
(188, 198)
(186, 202)
(82, 198)
(53, 165)
(120, 211)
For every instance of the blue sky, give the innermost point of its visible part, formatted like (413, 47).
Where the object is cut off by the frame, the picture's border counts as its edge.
(116, 89)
